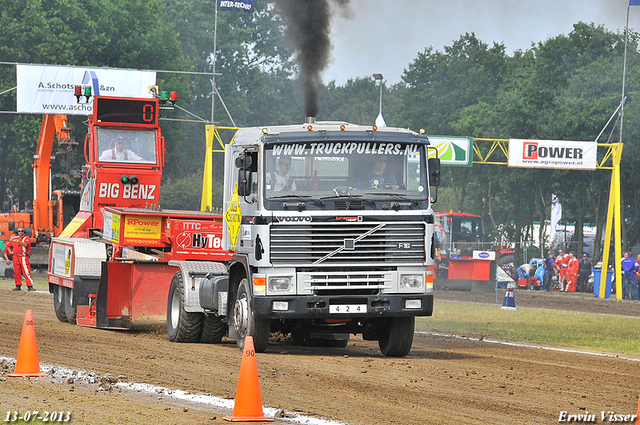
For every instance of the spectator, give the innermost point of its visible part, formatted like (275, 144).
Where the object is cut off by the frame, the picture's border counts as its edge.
(584, 271)
(629, 269)
(526, 271)
(458, 254)
(548, 272)
(635, 294)
(20, 247)
(573, 265)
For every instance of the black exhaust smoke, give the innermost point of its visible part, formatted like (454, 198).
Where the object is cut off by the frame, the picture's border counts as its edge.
(308, 25)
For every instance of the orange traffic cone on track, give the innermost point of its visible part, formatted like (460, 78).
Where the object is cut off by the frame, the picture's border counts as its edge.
(27, 363)
(248, 404)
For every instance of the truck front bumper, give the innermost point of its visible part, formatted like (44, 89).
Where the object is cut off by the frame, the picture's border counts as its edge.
(340, 307)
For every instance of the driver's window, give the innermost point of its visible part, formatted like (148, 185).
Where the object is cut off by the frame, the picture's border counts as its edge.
(466, 227)
(126, 146)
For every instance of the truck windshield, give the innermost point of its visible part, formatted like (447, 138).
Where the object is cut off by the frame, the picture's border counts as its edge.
(369, 170)
(126, 146)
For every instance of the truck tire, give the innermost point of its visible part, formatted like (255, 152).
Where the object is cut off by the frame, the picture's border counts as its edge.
(397, 336)
(58, 302)
(245, 322)
(182, 326)
(69, 307)
(213, 329)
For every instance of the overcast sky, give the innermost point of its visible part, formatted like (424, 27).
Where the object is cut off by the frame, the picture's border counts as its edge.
(385, 36)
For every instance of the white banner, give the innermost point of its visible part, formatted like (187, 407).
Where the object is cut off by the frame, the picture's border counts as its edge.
(44, 89)
(553, 154)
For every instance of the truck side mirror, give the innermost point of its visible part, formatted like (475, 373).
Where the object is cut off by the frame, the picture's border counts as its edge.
(244, 182)
(434, 172)
(243, 163)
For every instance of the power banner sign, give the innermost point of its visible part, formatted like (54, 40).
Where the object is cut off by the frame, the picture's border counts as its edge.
(560, 154)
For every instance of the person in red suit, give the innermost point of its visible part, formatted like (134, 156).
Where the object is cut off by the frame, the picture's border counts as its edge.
(573, 267)
(20, 246)
(561, 263)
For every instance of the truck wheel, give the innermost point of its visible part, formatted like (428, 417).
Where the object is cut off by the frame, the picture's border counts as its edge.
(69, 307)
(213, 329)
(182, 326)
(58, 302)
(397, 337)
(245, 322)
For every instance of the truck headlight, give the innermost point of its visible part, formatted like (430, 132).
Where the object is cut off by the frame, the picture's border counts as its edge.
(279, 284)
(412, 281)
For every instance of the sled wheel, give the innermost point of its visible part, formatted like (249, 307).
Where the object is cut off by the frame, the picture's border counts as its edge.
(69, 306)
(58, 302)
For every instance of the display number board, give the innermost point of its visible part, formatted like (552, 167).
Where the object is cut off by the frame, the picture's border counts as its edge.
(126, 111)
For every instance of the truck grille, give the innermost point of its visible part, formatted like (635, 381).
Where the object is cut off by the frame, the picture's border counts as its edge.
(341, 243)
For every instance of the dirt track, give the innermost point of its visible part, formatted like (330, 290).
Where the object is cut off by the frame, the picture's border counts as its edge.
(442, 381)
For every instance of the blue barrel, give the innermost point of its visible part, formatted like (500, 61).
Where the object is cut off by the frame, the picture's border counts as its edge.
(596, 283)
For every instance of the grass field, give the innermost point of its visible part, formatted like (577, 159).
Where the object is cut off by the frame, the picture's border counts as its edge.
(592, 332)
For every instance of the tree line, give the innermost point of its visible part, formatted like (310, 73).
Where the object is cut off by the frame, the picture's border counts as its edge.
(563, 88)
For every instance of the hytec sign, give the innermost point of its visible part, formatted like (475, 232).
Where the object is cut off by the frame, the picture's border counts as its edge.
(560, 154)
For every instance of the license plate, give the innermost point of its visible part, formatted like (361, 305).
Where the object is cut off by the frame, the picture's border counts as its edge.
(348, 308)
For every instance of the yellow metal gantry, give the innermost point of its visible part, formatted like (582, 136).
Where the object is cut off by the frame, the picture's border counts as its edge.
(497, 153)
(212, 135)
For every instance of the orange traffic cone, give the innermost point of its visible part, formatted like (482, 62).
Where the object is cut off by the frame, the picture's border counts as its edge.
(248, 404)
(27, 363)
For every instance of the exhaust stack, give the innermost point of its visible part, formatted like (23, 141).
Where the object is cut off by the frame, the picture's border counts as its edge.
(309, 120)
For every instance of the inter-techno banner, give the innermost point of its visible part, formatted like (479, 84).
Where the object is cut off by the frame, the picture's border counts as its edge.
(47, 89)
(560, 154)
(245, 6)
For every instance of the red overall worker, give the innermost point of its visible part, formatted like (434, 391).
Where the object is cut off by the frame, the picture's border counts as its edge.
(561, 263)
(572, 272)
(20, 246)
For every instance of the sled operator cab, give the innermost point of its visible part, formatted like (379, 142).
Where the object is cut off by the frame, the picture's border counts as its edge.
(466, 258)
(124, 151)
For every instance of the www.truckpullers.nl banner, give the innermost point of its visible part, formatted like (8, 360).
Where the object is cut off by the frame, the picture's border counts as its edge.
(561, 154)
(46, 89)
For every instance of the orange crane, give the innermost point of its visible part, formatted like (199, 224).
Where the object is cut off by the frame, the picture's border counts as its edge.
(45, 225)
(47, 218)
